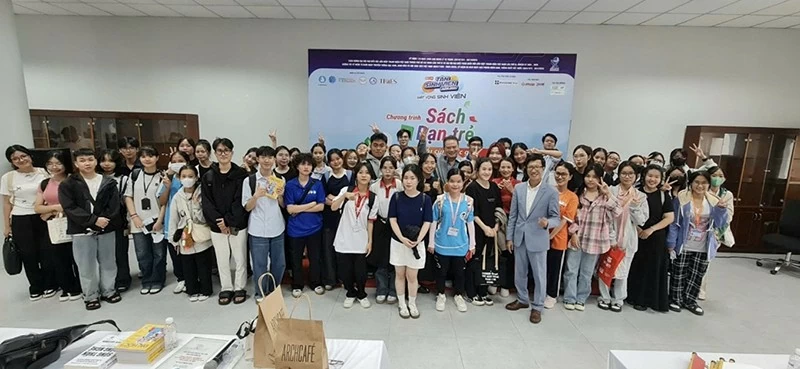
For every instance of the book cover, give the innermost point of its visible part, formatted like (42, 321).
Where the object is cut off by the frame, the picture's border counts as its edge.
(145, 340)
(100, 356)
(273, 185)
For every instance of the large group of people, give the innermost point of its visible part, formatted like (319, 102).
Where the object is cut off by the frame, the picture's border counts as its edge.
(501, 217)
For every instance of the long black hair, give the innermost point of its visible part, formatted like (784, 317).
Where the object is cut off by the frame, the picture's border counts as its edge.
(115, 157)
(59, 155)
(598, 172)
(416, 170)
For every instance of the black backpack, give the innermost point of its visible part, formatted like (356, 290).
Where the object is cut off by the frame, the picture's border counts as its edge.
(36, 351)
(370, 202)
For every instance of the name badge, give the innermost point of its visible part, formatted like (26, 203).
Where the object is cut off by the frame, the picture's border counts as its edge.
(452, 231)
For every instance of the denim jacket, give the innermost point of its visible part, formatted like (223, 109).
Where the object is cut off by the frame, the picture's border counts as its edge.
(677, 234)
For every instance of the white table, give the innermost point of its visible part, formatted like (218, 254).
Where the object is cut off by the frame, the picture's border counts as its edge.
(353, 354)
(622, 359)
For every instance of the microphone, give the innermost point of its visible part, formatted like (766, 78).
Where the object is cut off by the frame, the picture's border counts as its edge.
(216, 360)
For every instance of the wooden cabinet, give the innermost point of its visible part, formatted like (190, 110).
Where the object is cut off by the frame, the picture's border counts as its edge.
(100, 130)
(762, 169)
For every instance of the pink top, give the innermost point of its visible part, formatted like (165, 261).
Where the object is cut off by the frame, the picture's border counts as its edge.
(50, 194)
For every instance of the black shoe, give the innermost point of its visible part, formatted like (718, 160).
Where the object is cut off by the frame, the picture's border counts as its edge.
(35, 296)
(640, 307)
(423, 290)
(674, 307)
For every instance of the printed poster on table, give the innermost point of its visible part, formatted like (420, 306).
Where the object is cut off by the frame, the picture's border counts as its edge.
(437, 94)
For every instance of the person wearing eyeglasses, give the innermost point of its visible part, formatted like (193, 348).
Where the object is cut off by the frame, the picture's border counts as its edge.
(19, 188)
(225, 215)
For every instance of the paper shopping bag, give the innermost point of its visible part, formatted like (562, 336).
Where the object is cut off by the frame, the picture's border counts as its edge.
(301, 343)
(270, 310)
(607, 266)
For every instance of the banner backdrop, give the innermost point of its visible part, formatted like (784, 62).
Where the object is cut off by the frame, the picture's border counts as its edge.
(437, 94)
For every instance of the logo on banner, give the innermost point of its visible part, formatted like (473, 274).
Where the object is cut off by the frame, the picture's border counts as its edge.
(322, 79)
(554, 64)
(362, 80)
(332, 79)
(388, 81)
(373, 81)
(347, 80)
(441, 83)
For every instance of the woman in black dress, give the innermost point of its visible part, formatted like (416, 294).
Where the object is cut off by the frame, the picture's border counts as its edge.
(647, 278)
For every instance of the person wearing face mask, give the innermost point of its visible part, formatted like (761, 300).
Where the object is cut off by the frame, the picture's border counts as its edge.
(582, 158)
(444, 162)
(408, 156)
(693, 242)
(725, 235)
(186, 211)
(656, 158)
(507, 143)
(552, 155)
(638, 166)
(170, 186)
(611, 177)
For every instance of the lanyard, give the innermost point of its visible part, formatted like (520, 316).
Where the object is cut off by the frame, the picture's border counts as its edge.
(454, 216)
(359, 205)
(147, 186)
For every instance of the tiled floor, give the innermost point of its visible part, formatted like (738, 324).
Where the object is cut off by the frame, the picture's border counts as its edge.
(749, 310)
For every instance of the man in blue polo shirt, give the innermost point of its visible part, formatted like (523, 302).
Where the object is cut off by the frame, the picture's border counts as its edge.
(304, 198)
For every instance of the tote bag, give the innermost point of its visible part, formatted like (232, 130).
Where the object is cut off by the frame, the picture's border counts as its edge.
(57, 230)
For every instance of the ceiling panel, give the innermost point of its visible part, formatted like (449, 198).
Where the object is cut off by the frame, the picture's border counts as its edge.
(591, 17)
(137, 1)
(669, 19)
(176, 2)
(702, 6)
(433, 4)
(748, 20)
(120, 10)
(344, 3)
(82, 9)
(477, 4)
(788, 8)
(18, 9)
(784, 22)
(349, 13)
(194, 11)
(308, 12)
(300, 2)
(466, 15)
(388, 14)
(522, 4)
(567, 5)
(631, 19)
(511, 16)
(612, 5)
(155, 10)
(48, 9)
(277, 12)
(226, 11)
(258, 2)
(551, 17)
(657, 6)
(216, 2)
(709, 20)
(430, 15)
(742, 7)
(396, 4)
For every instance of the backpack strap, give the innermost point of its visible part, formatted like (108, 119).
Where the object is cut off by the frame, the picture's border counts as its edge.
(252, 179)
(44, 184)
(134, 176)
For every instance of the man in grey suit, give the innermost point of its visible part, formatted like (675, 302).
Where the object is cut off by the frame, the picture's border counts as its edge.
(534, 210)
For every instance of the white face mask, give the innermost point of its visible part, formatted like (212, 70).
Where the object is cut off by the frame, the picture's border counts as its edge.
(657, 162)
(508, 152)
(409, 160)
(188, 182)
(175, 167)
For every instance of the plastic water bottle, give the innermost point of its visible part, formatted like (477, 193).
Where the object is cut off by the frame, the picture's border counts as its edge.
(794, 360)
(170, 334)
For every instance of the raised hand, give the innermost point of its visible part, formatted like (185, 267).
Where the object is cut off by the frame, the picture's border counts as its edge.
(321, 139)
(374, 127)
(667, 186)
(697, 151)
(273, 136)
(604, 188)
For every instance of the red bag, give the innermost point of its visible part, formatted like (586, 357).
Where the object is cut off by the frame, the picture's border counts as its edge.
(607, 266)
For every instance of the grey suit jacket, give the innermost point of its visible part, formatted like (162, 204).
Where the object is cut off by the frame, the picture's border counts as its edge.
(524, 228)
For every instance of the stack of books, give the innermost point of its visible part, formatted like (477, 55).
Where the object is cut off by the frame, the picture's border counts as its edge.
(143, 346)
(100, 356)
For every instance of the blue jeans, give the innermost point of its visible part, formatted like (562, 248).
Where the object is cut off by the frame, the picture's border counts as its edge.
(578, 276)
(267, 252)
(385, 281)
(152, 258)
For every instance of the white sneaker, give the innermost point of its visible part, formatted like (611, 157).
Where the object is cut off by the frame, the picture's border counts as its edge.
(701, 296)
(75, 297)
(180, 288)
(194, 298)
(49, 293)
(569, 306)
(404, 311)
(258, 300)
(492, 290)
(549, 302)
(579, 306)
(348, 302)
(391, 299)
(504, 292)
(297, 293)
(365, 303)
(319, 290)
(441, 299)
(202, 298)
(64, 297)
(461, 305)
(381, 299)
(477, 301)
(413, 311)
(144, 291)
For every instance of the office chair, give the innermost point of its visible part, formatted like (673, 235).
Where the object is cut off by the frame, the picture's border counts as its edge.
(784, 236)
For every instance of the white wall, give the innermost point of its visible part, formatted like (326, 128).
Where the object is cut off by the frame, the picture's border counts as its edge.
(636, 87)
